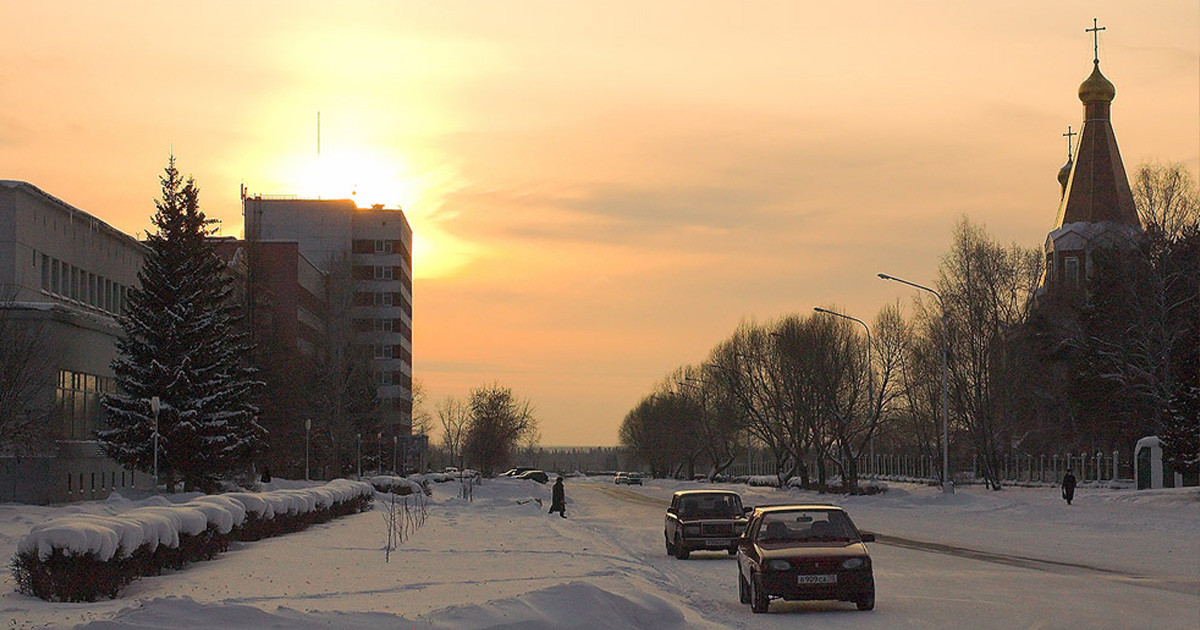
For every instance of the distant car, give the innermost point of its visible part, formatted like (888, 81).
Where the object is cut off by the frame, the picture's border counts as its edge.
(635, 478)
(621, 478)
(703, 520)
(513, 472)
(536, 475)
(804, 552)
(450, 470)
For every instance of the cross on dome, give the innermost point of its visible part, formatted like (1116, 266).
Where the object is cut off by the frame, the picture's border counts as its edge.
(1068, 136)
(1095, 31)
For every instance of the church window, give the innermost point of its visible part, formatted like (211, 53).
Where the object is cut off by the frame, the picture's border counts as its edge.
(1071, 270)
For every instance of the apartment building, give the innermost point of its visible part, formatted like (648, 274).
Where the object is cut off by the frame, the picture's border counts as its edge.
(366, 256)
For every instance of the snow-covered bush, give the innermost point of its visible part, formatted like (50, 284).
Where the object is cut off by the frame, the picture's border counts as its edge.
(86, 557)
(399, 485)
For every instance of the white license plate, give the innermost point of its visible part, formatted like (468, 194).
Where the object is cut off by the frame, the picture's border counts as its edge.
(817, 579)
(716, 542)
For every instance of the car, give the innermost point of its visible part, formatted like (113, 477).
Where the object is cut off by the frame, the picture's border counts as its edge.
(804, 552)
(513, 472)
(536, 475)
(703, 520)
(620, 478)
(634, 478)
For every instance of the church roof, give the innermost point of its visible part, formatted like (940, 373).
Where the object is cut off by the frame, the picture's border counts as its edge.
(1097, 189)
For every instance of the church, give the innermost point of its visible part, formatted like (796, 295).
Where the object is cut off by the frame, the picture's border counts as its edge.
(1097, 208)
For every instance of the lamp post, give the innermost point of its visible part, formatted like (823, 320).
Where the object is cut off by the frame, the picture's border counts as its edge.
(947, 486)
(394, 459)
(870, 376)
(307, 431)
(358, 451)
(155, 406)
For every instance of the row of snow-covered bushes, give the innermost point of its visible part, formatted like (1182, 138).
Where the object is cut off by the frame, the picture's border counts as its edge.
(833, 485)
(87, 557)
(402, 486)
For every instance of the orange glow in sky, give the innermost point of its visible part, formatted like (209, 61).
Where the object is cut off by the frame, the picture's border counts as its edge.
(600, 192)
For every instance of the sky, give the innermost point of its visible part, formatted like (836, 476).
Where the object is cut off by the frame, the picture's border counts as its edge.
(600, 192)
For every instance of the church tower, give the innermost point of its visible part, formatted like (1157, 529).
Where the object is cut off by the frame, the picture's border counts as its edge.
(1097, 207)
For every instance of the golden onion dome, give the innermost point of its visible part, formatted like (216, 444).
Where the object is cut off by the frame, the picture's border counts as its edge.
(1064, 174)
(1096, 88)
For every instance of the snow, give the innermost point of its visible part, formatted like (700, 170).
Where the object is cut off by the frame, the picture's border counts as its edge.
(1116, 558)
(160, 522)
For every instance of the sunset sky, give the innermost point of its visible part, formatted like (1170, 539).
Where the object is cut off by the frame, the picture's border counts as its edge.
(600, 191)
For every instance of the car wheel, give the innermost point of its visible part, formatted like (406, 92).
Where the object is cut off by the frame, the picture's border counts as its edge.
(681, 550)
(866, 601)
(758, 599)
(743, 589)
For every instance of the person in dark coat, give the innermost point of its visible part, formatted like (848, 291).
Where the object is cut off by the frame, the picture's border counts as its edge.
(266, 475)
(558, 499)
(1068, 487)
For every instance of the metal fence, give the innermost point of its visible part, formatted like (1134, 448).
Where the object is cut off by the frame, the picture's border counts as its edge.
(1013, 468)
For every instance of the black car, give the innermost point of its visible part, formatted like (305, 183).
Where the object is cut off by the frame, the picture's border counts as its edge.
(536, 475)
(703, 520)
(804, 552)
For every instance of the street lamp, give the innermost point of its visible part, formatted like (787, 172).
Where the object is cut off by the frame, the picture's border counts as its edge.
(947, 486)
(155, 405)
(394, 458)
(870, 375)
(307, 431)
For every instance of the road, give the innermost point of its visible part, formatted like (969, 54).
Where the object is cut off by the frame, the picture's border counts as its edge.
(920, 584)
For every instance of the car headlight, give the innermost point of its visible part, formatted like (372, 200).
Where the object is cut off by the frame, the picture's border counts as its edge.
(779, 565)
(853, 563)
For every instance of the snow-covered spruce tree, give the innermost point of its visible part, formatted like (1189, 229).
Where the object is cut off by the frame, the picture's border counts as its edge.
(180, 342)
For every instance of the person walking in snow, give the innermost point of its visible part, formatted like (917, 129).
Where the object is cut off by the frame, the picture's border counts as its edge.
(1068, 487)
(558, 499)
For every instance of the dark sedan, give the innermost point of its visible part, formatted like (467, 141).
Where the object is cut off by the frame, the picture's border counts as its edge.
(804, 552)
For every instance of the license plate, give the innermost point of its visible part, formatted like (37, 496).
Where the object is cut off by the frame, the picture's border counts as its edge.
(716, 542)
(817, 579)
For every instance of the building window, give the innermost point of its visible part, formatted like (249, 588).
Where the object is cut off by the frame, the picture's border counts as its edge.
(78, 398)
(1071, 270)
(383, 299)
(383, 351)
(383, 325)
(383, 246)
(383, 273)
(383, 378)
(45, 272)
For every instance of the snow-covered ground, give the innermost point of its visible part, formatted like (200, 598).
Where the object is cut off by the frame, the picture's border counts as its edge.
(1011, 559)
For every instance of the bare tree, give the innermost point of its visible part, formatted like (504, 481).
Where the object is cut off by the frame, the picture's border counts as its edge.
(26, 382)
(455, 417)
(1166, 199)
(499, 422)
(987, 289)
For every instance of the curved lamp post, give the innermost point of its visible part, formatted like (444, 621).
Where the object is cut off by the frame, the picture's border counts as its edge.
(870, 397)
(947, 486)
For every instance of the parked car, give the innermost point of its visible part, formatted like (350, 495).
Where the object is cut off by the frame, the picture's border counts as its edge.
(536, 475)
(513, 472)
(804, 552)
(634, 478)
(620, 478)
(698, 520)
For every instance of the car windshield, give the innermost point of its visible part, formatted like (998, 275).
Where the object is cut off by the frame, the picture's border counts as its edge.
(711, 506)
(806, 526)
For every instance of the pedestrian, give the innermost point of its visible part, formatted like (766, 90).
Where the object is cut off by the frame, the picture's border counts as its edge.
(558, 499)
(1068, 487)
(266, 475)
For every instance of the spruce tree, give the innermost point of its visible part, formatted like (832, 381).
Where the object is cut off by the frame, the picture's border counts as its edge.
(181, 343)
